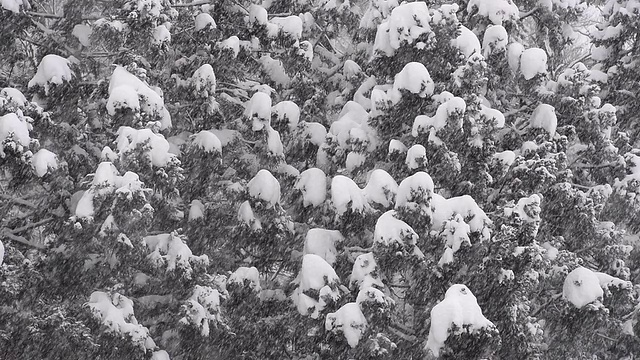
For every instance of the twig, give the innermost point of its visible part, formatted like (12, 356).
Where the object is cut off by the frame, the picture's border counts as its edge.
(8, 235)
(529, 13)
(194, 3)
(29, 226)
(605, 336)
(18, 201)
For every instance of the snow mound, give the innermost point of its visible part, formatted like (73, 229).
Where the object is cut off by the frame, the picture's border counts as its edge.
(317, 284)
(196, 210)
(322, 242)
(18, 129)
(495, 40)
(450, 111)
(497, 11)
(396, 146)
(527, 209)
(12, 5)
(365, 272)
(290, 25)
(53, 69)
(157, 147)
(259, 109)
(459, 307)
(533, 62)
(42, 161)
(202, 308)
(171, 250)
(14, 95)
(207, 141)
(161, 35)
(416, 157)
(313, 185)
(345, 195)
(264, 186)
(465, 205)
(246, 216)
(405, 24)
(381, 188)
(395, 233)
(127, 91)
(415, 192)
(258, 14)
(514, 54)
(467, 42)
(232, 43)
(414, 77)
(204, 80)
(350, 320)
(287, 110)
(315, 133)
(115, 312)
(544, 117)
(246, 274)
(582, 287)
(204, 20)
(493, 114)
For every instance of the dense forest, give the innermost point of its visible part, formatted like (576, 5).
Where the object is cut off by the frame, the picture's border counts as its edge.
(321, 179)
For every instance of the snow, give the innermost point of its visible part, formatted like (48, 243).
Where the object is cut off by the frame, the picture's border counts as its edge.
(459, 307)
(514, 54)
(12, 125)
(275, 70)
(381, 188)
(390, 230)
(456, 232)
(354, 161)
(322, 242)
(415, 192)
(467, 42)
(544, 117)
(497, 11)
(196, 210)
(115, 311)
(43, 160)
(450, 109)
(204, 80)
(416, 157)
(315, 132)
(493, 114)
(83, 33)
(495, 40)
(414, 78)
(258, 14)
(232, 43)
(397, 146)
(290, 25)
(365, 272)
(12, 5)
(351, 69)
(1, 253)
(52, 69)
(157, 146)
(204, 20)
(447, 257)
(201, 308)
(246, 215)
(350, 320)
(264, 186)
(344, 192)
(274, 144)
(207, 141)
(249, 274)
(137, 92)
(407, 22)
(533, 62)
(313, 185)
(582, 287)
(14, 95)
(161, 35)
(527, 208)
(287, 110)
(607, 280)
(465, 205)
(170, 249)
(315, 274)
(259, 109)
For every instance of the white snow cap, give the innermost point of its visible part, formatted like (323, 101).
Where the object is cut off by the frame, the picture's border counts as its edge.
(467, 42)
(406, 23)
(196, 210)
(12, 5)
(42, 161)
(351, 69)
(204, 80)
(83, 33)
(203, 20)
(495, 40)
(259, 109)
(1, 252)
(415, 189)
(544, 117)
(170, 249)
(533, 62)
(496, 10)
(397, 146)
(315, 132)
(14, 95)
(290, 25)
(207, 141)
(258, 14)
(127, 91)
(52, 69)
(414, 77)
(287, 110)
(465, 205)
(514, 54)
(381, 188)
(416, 157)
(459, 307)
(232, 43)
(158, 147)
(201, 308)
(391, 231)
(582, 287)
(11, 124)
(345, 191)
(350, 320)
(246, 215)
(450, 109)
(115, 311)
(265, 186)
(313, 185)
(315, 274)
(364, 272)
(322, 242)
(161, 35)
(274, 144)
(243, 273)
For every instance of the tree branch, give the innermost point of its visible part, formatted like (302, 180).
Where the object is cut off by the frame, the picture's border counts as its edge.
(18, 201)
(529, 13)
(29, 226)
(8, 235)
(193, 3)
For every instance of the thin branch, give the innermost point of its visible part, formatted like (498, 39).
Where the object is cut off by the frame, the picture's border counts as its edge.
(44, 15)
(8, 235)
(529, 13)
(18, 201)
(29, 226)
(193, 3)
(605, 336)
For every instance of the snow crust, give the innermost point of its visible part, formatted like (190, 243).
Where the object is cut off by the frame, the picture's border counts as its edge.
(414, 77)
(495, 40)
(544, 117)
(415, 192)
(465, 205)
(161, 35)
(53, 69)
(289, 25)
(265, 186)
(158, 153)
(364, 272)
(259, 109)
(350, 320)
(287, 110)
(381, 188)
(169, 249)
(459, 307)
(12, 5)
(202, 307)
(14, 95)
(345, 194)
(391, 231)
(416, 157)
(42, 161)
(313, 185)
(232, 43)
(533, 62)
(196, 210)
(207, 141)
(315, 274)
(127, 91)
(204, 20)
(582, 287)
(322, 242)
(204, 80)
(249, 274)
(467, 42)
(405, 24)
(17, 128)
(246, 215)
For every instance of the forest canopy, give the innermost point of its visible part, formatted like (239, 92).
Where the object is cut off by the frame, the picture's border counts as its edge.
(323, 179)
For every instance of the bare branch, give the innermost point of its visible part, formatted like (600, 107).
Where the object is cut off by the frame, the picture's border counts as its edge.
(18, 201)
(529, 13)
(30, 226)
(8, 235)
(193, 3)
